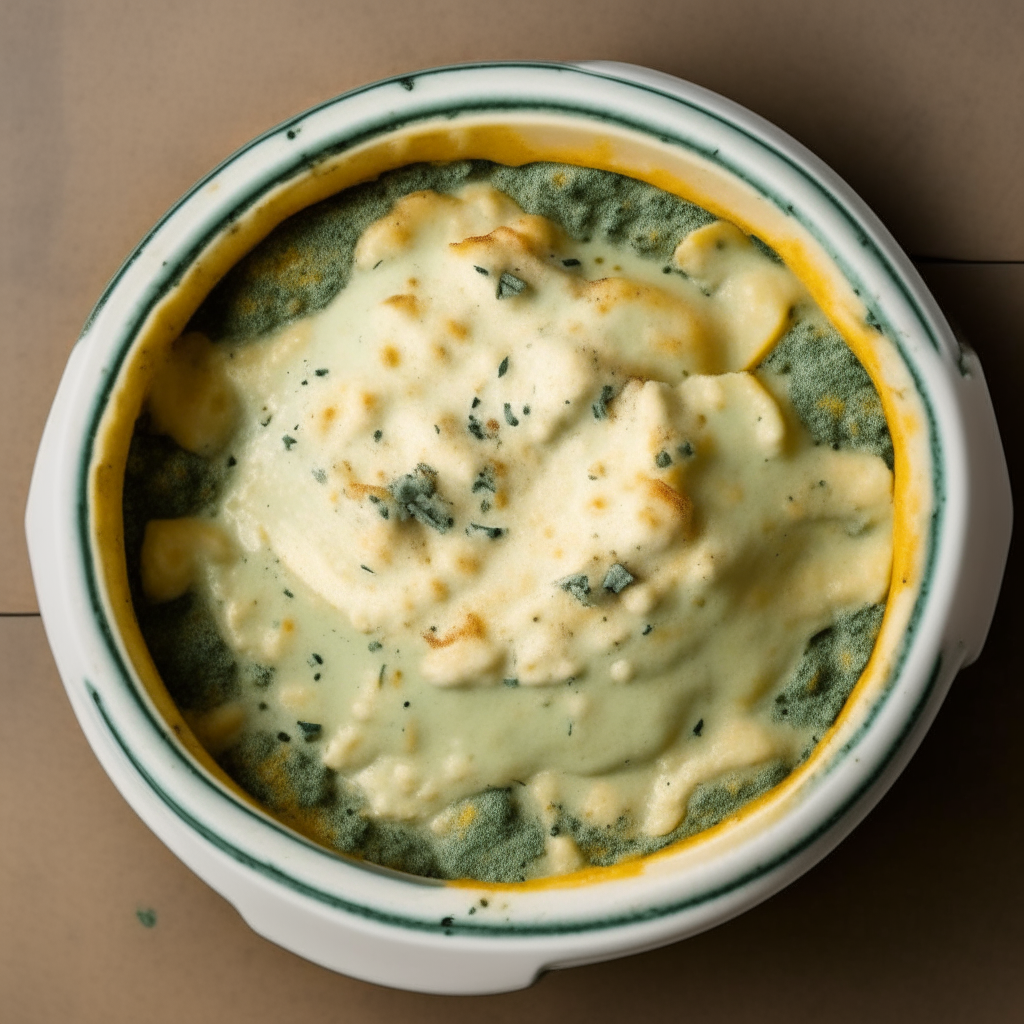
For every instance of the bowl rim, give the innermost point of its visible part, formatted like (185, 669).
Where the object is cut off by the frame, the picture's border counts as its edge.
(919, 698)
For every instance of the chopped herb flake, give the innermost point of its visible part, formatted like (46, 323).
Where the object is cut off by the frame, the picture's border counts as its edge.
(366, 567)
(417, 498)
(437, 429)
(617, 578)
(322, 372)
(284, 737)
(698, 728)
(266, 422)
(262, 676)
(310, 730)
(320, 476)
(317, 659)
(526, 410)
(485, 506)
(647, 629)
(475, 428)
(406, 704)
(476, 402)
(485, 481)
(510, 418)
(686, 449)
(288, 593)
(509, 284)
(289, 441)
(493, 532)
(378, 434)
(578, 585)
(663, 460)
(374, 645)
(511, 681)
(503, 367)
(232, 461)
(570, 263)
(482, 270)
(146, 916)
(600, 407)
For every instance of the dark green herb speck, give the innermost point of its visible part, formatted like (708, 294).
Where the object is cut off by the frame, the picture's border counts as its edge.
(417, 498)
(494, 532)
(617, 578)
(146, 916)
(510, 418)
(289, 441)
(663, 460)
(600, 407)
(509, 285)
(485, 481)
(503, 367)
(578, 585)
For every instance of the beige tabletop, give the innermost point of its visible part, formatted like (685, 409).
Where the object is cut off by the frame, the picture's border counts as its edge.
(110, 110)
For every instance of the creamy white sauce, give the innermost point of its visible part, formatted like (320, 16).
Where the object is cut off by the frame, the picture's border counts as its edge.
(600, 420)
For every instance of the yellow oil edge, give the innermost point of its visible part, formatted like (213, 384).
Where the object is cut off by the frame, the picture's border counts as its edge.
(510, 146)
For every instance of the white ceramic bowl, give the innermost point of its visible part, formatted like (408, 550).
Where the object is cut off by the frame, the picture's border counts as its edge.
(418, 934)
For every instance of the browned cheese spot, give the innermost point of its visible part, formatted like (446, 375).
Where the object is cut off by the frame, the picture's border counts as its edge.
(472, 628)
(459, 331)
(405, 303)
(390, 356)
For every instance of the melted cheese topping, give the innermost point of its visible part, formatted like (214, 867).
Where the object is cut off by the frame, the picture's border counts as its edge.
(515, 511)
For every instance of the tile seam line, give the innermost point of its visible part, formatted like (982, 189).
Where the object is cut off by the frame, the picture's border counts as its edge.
(19, 615)
(956, 261)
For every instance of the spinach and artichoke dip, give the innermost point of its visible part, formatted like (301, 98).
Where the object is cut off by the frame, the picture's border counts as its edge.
(492, 523)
